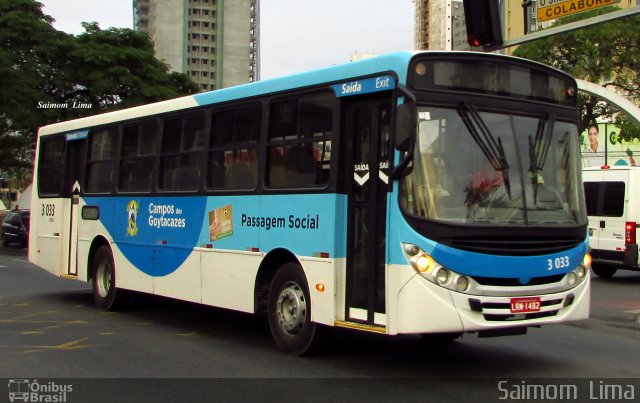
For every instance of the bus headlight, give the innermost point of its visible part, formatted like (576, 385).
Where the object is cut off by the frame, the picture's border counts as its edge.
(425, 264)
(462, 283)
(411, 249)
(434, 272)
(442, 276)
(577, 275)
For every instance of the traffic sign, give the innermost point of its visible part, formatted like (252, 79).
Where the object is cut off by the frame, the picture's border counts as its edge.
(552, 9)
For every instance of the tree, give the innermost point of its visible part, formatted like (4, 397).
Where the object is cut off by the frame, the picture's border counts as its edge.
(42, 70)
(27, 45)
(608, 54)
(116, 68)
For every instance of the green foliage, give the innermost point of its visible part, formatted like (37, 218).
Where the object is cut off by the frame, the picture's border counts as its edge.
(607, 54)
(39, 66)
(119, 70)
(27, 44)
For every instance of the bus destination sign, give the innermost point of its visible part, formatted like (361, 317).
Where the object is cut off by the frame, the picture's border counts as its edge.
(77, 135)
(365, 86)
(551, 9)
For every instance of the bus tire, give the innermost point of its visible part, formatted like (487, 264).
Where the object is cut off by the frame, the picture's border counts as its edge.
(105, 293)
(603, 270)
(289, 311)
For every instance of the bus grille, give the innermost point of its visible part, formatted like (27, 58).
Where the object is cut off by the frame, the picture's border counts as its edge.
(514, 282)
(510, 246)
(522, 316)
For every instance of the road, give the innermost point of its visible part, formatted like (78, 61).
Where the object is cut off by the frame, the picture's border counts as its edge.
(50, 328)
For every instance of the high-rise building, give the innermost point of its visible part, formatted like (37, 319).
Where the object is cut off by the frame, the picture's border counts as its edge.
(214, 42)
(439, 25)
(421, 25)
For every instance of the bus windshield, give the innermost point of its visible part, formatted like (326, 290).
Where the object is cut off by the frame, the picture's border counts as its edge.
(475, 167)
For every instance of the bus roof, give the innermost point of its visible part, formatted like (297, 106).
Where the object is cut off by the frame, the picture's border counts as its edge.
(397, 62)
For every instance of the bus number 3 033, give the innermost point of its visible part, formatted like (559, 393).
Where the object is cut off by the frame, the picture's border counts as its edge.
(558, 263)
(48, 210)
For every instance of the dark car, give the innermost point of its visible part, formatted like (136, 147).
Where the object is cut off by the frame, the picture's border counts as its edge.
(15, 228)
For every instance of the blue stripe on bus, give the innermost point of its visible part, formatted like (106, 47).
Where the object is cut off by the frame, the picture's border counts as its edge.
(468, 263)
(157, 234)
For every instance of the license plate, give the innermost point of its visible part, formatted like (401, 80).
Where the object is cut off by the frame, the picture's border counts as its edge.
(525, 305)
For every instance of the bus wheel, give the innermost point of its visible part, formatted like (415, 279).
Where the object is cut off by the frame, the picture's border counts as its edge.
(105, 293)
(289, 311)
(603, 271)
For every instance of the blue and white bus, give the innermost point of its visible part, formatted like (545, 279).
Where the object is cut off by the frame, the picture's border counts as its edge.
(412, 193)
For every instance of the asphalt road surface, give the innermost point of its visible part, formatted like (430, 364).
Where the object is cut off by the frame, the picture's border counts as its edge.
(50, 330)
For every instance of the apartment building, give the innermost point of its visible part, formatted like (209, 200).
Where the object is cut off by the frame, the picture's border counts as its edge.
(214, 42)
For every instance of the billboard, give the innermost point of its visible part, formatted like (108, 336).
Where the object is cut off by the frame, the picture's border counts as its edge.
(552, 9)
(601, 145)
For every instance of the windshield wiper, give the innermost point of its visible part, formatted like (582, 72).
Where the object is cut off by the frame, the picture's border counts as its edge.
(538, 151)
(490, 147)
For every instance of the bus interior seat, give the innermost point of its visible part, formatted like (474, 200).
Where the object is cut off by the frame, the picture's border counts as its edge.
(141, 181)
(127, 181)
(301, 166)
(277, 171)
(185, 178)
(240, 176)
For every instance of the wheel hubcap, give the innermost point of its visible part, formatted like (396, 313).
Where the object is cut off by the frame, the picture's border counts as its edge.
(291, 309)
(104, 278)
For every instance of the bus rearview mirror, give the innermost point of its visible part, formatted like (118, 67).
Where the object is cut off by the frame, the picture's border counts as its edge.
(405, 126)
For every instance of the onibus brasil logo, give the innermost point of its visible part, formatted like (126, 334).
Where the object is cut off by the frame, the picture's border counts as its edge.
(30, 390)
(132, 213)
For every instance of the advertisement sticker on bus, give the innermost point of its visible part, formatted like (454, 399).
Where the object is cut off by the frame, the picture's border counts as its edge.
(220, 223)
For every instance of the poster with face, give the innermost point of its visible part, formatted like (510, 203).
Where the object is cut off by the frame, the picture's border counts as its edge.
(601, 144)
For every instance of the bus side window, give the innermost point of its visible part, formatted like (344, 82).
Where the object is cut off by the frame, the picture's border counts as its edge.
(51, 166)
(299, 149)
(182, 142)
(301, 168)
(233, 149)
(137, 156)
(277, 174)
(240, 176)
(101, 168)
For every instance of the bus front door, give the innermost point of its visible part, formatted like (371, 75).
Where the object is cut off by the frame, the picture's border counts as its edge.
(72, 201)
(367, 147)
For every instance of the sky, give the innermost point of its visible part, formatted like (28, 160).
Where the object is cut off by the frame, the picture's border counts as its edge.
(295, 35)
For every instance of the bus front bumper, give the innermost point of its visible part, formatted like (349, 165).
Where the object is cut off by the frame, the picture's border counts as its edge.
(424, 307)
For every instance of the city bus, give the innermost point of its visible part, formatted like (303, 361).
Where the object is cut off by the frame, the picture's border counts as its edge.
(428, 193)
